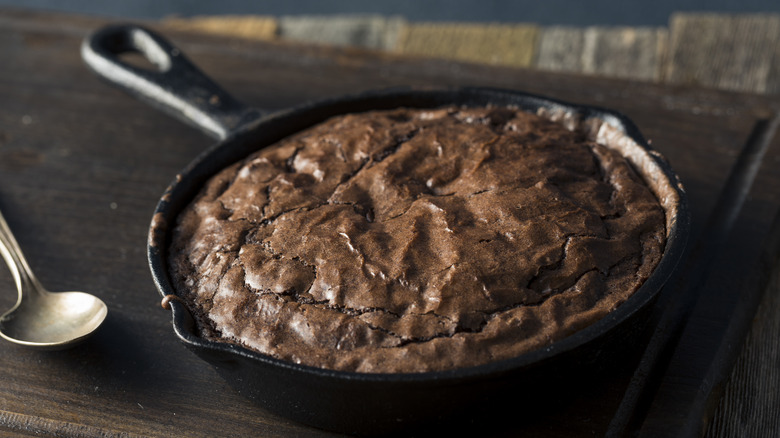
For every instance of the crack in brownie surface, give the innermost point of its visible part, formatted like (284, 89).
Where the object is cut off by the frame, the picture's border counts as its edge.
(416, 240)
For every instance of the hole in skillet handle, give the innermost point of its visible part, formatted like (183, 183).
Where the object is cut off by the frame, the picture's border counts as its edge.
(177, 87)
(137, 59)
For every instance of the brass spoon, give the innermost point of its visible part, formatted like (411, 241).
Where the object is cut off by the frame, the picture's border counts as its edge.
(42, 319)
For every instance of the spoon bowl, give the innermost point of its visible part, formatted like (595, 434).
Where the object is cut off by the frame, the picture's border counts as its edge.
(43, 319)
(56, 319)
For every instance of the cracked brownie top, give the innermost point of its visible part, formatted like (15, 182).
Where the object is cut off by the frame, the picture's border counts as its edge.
(416, 240)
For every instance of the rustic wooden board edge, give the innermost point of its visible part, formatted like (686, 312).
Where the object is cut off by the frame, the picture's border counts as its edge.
(37, 426)
(748, 406)
(664, 386)
(755, 284)
(738, 205)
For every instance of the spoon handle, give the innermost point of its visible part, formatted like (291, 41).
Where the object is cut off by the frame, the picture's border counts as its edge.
(12, 254)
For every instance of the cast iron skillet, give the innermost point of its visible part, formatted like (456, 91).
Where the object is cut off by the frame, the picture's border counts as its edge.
(348, 401)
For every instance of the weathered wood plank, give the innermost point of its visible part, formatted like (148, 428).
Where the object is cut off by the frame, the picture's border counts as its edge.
(370, 31)
(751, 402)
(252, 27)
(560, 49)
(773, 77)
(36, 426)
(624, 52)
(621, 52)
(730, 271)
(513, 45)
(736, 52)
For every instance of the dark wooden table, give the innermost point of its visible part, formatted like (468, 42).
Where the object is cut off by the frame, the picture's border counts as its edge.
(82, 166)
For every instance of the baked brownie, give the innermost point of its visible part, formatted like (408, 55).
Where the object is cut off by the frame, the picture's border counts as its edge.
(416, 240)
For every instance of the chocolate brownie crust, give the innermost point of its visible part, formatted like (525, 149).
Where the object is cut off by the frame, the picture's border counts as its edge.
(416, 240)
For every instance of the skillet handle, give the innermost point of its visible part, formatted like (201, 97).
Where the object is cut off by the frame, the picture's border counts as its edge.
(177, 87)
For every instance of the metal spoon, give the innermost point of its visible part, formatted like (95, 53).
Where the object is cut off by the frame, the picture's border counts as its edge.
(42, 319)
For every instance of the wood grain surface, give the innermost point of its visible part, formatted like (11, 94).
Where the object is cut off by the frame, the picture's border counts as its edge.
(82, 166)
(738, 52)
(512, 45)
(725, 277)
(732, 53)
(620, 52)
(750, 402)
